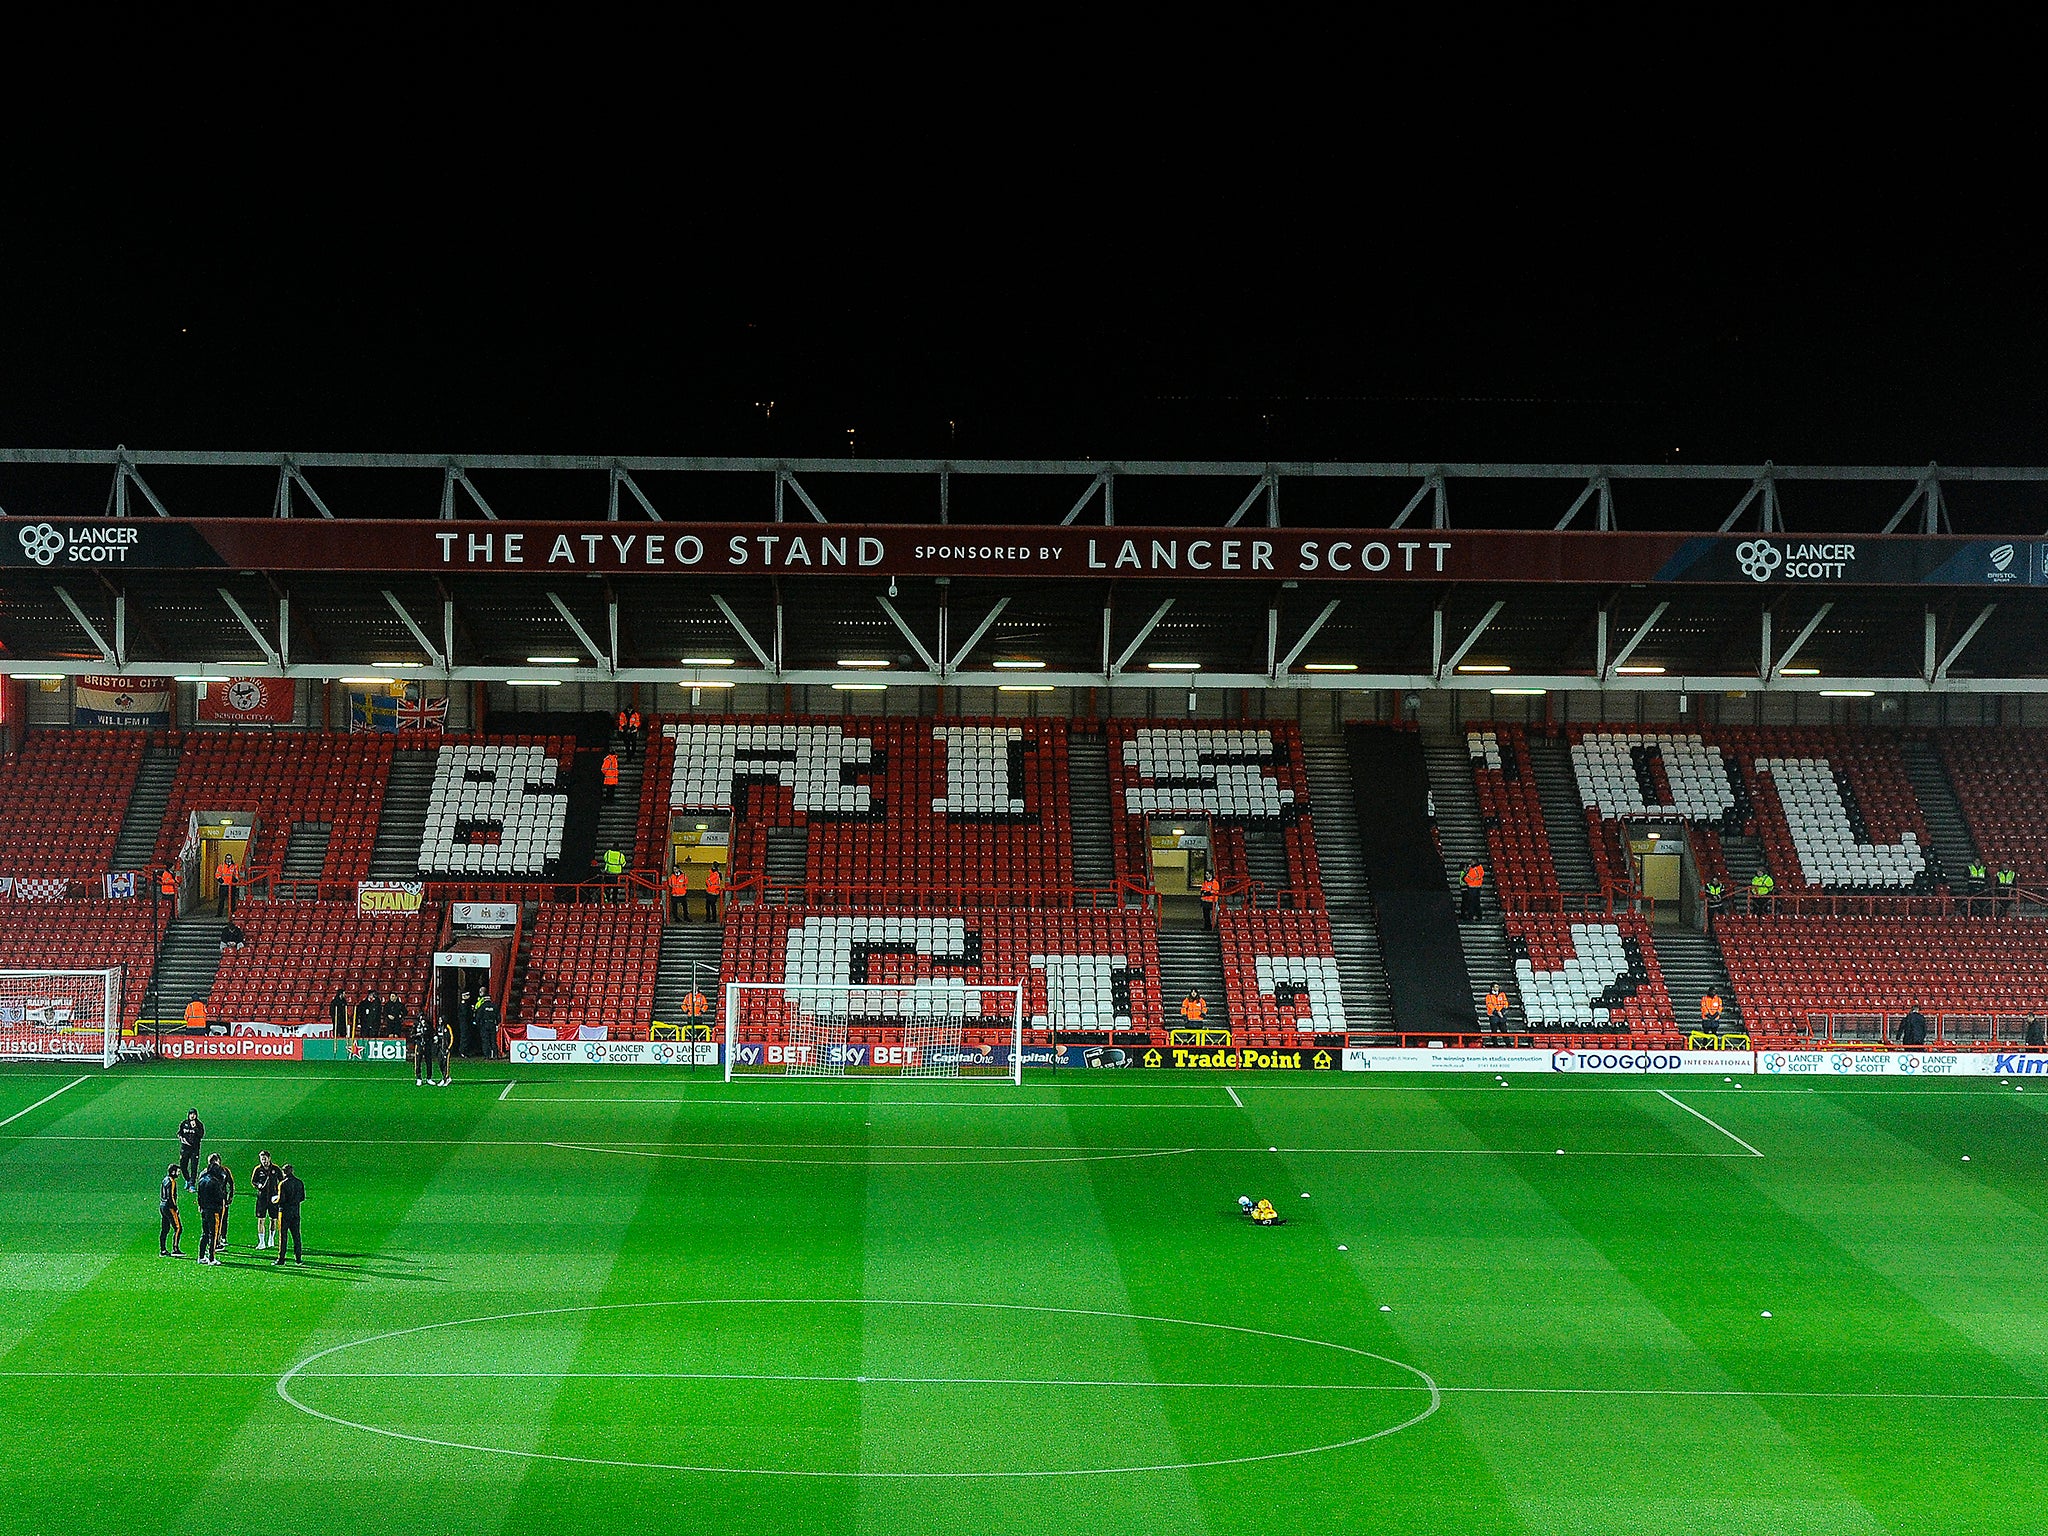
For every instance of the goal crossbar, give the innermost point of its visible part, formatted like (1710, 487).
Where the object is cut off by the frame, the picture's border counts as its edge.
(905, 1030)
(72, 1016)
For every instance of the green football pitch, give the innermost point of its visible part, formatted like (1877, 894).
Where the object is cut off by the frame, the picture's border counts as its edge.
(628, 1301)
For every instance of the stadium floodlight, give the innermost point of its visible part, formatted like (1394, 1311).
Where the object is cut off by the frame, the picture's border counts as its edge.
(61, 1016)
(914, 1029)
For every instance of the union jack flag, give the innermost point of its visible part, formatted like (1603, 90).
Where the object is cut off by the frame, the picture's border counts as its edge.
(417, 714)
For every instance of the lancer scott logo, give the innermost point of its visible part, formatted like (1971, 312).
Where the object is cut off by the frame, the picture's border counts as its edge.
(44, 544)
(41, 543)
(1760, 560)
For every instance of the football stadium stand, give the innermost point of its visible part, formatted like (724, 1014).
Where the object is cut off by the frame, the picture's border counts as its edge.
(496, 812)
(61, 800)
(2001, 783)
(590, 973)
(82, 935)
(289, 777)
(296, 953)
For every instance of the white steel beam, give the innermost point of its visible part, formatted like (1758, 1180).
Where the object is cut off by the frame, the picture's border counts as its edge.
(596, 652)
(1450, 662)
(802, 495)
(1956, 650)
(1628, 648)
(743, 632)
(263, 641)
(438, 658)
(1100, 482)
(92, 632)
(908, 633)
(953, 662)
(1143, 635)
(1315, 627)
(1800, 639)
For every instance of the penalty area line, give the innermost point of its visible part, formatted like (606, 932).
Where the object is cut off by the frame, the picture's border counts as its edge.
(1717, 1125)
(1233, 1096)
(39, 1103)
(508, 1090)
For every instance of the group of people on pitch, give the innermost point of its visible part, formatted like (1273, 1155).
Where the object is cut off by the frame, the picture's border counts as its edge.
(278, 1189)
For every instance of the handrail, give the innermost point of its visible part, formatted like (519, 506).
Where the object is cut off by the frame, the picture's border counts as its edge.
(1880, 1028)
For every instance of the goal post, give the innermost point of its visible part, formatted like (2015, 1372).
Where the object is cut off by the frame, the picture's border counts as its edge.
(906, 1030)
(61, 1015)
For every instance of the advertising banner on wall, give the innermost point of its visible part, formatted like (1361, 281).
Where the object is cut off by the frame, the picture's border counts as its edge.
(389, 898)
(616, 1053)
(267, 1047)
(249, 701)
(485, 914)
(122, 703)
(1599, 558)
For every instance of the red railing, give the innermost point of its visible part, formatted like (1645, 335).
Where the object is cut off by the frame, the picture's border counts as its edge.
(1872, 1029)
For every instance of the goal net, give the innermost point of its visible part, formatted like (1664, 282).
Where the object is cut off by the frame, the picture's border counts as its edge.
(930, 1029)
(72, 1015)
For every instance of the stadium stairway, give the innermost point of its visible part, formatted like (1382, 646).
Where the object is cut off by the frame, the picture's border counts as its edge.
(402, 821)
(147, 804)
(1564, 814)
(1428, 986)
(1088, 809)
(1191, 960)
(186, 962)
(1265, 856)
(1691, 962)
(1928, 775)
(1488, 961)
(1361, 969)
(515, 988)
(1744, 856)
(788, 859)
(618, 824)
(305, 850)
(684, 945)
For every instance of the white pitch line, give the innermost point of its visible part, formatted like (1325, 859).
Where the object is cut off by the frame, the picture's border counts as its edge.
(1233, 1096)
(39, 1103)
(508, 1091)
(680, 1148)
(1714, 1123)
(1008, 1381)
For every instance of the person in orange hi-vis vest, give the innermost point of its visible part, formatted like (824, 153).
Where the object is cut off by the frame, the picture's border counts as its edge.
(1710, 1007)
(224, 888)
(1211, 891)
(195, 1016)
(610, 773)
(714, 887)
(1475, 877)
(678, 895)
(696, 1005)
(1496, 1004)
(1193, 1008)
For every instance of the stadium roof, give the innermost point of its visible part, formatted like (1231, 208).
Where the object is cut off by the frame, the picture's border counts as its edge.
(1025, 573)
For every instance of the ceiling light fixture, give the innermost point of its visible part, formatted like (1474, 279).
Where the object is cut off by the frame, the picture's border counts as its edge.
(1848, 693)
(1023, 687)
(552, 661)
(1483, 666)
(37, 677)
(864, 661)
(707, 661)
(1643, 671)
(371, 681)
(859, 687)
(533, 682)
(1329, 666)
(1018, 665)
(1535, 693)
(1799, 671)
(1174, 666)
(707, 683)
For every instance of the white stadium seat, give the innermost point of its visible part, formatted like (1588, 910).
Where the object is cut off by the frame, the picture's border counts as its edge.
(1830, 853)
(487, 783)
(1211, 773)
(811, 760)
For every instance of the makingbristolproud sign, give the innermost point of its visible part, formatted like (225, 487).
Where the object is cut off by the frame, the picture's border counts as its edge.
(782, 549)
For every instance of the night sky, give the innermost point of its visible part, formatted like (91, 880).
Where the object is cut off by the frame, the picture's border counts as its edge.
(1499, 333)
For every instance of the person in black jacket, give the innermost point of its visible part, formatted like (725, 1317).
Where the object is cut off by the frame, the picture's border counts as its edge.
(212, 1189)
(394, 1015)
(169, 1228)
(486, 1025)
(290, 1195)
(422, 1040)
(1913, 1029)
(190, 1135)
(264, 1179)
(337, 1013)
(369, 1016)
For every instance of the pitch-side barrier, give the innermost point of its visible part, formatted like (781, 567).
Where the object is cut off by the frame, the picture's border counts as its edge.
(1838, 1063)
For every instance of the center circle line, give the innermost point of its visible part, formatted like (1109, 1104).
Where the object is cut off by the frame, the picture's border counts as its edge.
(1425, 1380)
